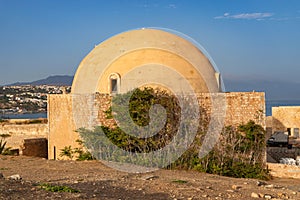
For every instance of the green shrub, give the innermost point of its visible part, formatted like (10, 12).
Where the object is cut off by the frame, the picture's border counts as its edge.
(2, 146)
(3, 120)
(239, 152)
(3, 149)
(179, 181)
(85, 156)
(140, 103)
(79, 153)
(67, 152)
(58, 188)
(108, 113)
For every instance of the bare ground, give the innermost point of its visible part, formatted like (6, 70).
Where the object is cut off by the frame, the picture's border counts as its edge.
(96, 181)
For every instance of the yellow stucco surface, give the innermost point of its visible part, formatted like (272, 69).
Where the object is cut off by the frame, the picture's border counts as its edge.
(284, 117)
(135, 59)
(61, 125)
(129, 50)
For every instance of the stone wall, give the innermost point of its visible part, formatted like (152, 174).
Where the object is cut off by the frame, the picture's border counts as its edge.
(67, 111)
(269, 124)
(284, 171)
(19, 132)
(240, 107)
(36, 147)
(245, 106)
(284, 117)
(61, 124)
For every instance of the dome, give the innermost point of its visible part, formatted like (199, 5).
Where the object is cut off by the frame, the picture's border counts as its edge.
(145, 57)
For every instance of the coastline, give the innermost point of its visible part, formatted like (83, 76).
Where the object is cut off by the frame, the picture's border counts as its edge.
(24, 115)
(269, 105)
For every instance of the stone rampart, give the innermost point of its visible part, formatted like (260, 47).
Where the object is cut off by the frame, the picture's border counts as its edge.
(19, 132)
(87, 111)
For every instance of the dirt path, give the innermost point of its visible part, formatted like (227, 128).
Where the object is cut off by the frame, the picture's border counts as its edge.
(96, 181)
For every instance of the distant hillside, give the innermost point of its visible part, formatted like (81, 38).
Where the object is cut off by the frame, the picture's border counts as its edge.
(58, 80)
(274, 89)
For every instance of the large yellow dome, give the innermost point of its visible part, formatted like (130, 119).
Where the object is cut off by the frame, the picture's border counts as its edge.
(129, 59)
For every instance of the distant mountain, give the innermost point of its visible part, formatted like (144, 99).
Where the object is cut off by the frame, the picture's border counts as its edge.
(58, 80)
(274, 89)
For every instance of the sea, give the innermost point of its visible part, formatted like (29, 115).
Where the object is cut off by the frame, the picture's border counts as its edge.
(269, 105)
(275, 103)
(24, 116)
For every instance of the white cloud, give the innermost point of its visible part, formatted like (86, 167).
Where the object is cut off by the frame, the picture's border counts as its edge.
(257, 16)
(148, 5)
(156, 5)
(172, 6)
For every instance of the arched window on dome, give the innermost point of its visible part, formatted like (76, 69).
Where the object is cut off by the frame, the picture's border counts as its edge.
(114, 83)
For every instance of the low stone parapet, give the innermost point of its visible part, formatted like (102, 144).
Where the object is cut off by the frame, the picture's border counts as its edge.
(284, 171)
(18, 132)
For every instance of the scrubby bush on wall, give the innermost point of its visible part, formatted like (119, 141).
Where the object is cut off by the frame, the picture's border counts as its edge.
(239, 152)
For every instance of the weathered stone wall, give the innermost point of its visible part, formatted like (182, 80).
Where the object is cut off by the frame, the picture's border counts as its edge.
(65, 111)
(284, 171)
(240, 107)
(245, 106)
(19, 132)
(37, 147)
(104, 104)
(284, 117)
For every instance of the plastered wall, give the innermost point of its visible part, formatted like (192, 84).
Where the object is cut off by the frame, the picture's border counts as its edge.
(61, 124)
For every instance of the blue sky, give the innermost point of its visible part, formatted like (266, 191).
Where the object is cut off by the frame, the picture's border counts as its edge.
(257, 39)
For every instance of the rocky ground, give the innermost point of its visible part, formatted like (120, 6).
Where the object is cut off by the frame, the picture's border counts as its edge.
(94, 180)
